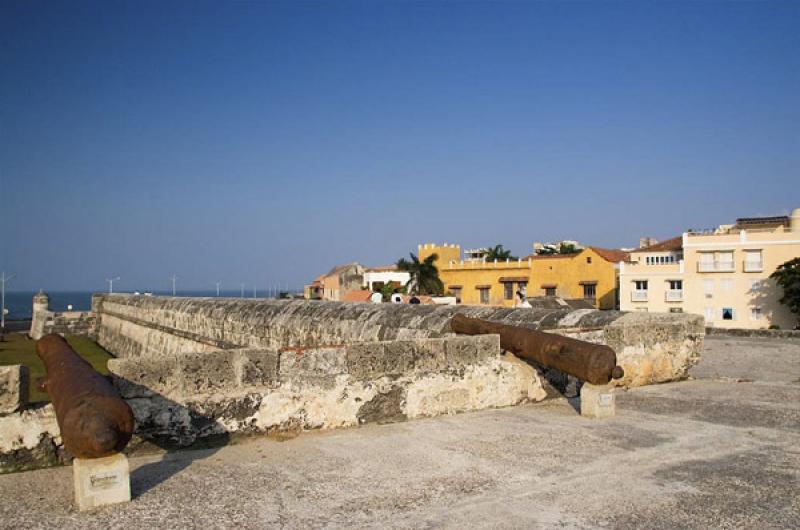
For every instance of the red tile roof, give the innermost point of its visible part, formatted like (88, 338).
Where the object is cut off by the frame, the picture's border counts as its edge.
(361, 295)
(676, 243)
(611, 254)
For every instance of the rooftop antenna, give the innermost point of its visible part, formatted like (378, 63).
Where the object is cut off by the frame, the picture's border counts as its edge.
(111, 284)
(174, 279)
(3, 280)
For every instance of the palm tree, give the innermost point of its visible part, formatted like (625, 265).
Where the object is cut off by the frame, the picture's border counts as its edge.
(498, 253)
(424, 275)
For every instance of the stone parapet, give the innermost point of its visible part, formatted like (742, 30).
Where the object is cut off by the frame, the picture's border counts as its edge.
(656, 347)
(13, 388)
(188, 397)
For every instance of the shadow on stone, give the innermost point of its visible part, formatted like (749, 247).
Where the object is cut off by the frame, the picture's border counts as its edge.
(184, 433)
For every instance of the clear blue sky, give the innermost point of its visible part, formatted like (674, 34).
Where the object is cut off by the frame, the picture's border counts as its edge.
(265, 142)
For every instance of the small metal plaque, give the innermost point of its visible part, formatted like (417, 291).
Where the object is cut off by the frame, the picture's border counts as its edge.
(606, 400)
(104, 481)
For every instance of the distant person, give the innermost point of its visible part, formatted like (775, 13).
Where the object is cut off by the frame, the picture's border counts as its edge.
(521, 300)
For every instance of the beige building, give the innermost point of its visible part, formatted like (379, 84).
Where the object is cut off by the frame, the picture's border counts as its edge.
(334, 285)
(721, 274)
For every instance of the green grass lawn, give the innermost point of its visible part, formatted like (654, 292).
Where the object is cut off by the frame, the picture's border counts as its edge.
(18, 349)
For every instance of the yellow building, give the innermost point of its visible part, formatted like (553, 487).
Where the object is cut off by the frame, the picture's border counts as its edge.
(722, 274)
(590, 274)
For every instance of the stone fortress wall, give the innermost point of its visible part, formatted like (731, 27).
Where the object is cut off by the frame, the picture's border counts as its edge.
(652, 348)
(45, 321)
(198, 369)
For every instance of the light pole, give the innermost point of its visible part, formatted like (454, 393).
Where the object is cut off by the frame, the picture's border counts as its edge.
(3, 280)
(218, 289)
(242, 285)
(111, 284)
(174, 279)
(254, 291)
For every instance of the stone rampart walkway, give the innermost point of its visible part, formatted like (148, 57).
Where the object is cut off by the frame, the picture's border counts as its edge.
(707, 453)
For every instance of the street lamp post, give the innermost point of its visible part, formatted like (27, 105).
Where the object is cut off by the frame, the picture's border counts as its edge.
(111, 284)
(3, 280)
(174, 279)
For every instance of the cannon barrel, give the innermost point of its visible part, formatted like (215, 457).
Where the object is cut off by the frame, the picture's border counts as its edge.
(94, 420)
(594, 363)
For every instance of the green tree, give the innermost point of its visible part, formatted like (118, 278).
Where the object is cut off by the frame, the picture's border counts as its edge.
(568, 248)
(424, 275)
(788, 277)
(388, 289)
(499, 253)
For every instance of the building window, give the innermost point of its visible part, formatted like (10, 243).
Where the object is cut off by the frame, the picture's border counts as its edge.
(588, 259)
(708, 313)
(508, 291)
(457, 293)
(726, 285)
(755, 313)
(523, 288)
(641, 285)
(755, 285)
(484, 292)
(589, 291)
(752, 261)
(676, 285)
(675, 310)
(708, 287)
(727, 313)
(549, 291)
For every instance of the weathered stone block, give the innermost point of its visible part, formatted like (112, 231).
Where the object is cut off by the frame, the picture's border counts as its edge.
(655, 347)
(597, 401)
(429, 355)
(399, 356)
(300, 363)
(101, 481)
(487, 345)
(13, 388)
(259, 367)
(146, 376)
(460, 351)
(366, 360)
(207, 372)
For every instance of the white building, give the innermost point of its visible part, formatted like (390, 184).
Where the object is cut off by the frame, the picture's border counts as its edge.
(378, 276)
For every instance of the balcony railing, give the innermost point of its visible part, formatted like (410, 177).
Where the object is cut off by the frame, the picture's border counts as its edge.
(715, 266)
(674, 295)
(753, 266)
(638, 296)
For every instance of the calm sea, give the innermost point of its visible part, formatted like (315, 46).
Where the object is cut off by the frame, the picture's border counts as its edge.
(20, 303)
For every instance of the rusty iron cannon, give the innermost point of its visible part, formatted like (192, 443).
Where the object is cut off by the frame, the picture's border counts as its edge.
(94, 420)
(593, 363)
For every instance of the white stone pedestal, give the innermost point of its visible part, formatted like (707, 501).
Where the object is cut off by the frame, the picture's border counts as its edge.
(597, 401)
(101, 481)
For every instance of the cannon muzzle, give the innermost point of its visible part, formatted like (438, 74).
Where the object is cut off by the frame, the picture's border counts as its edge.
(94, 420)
